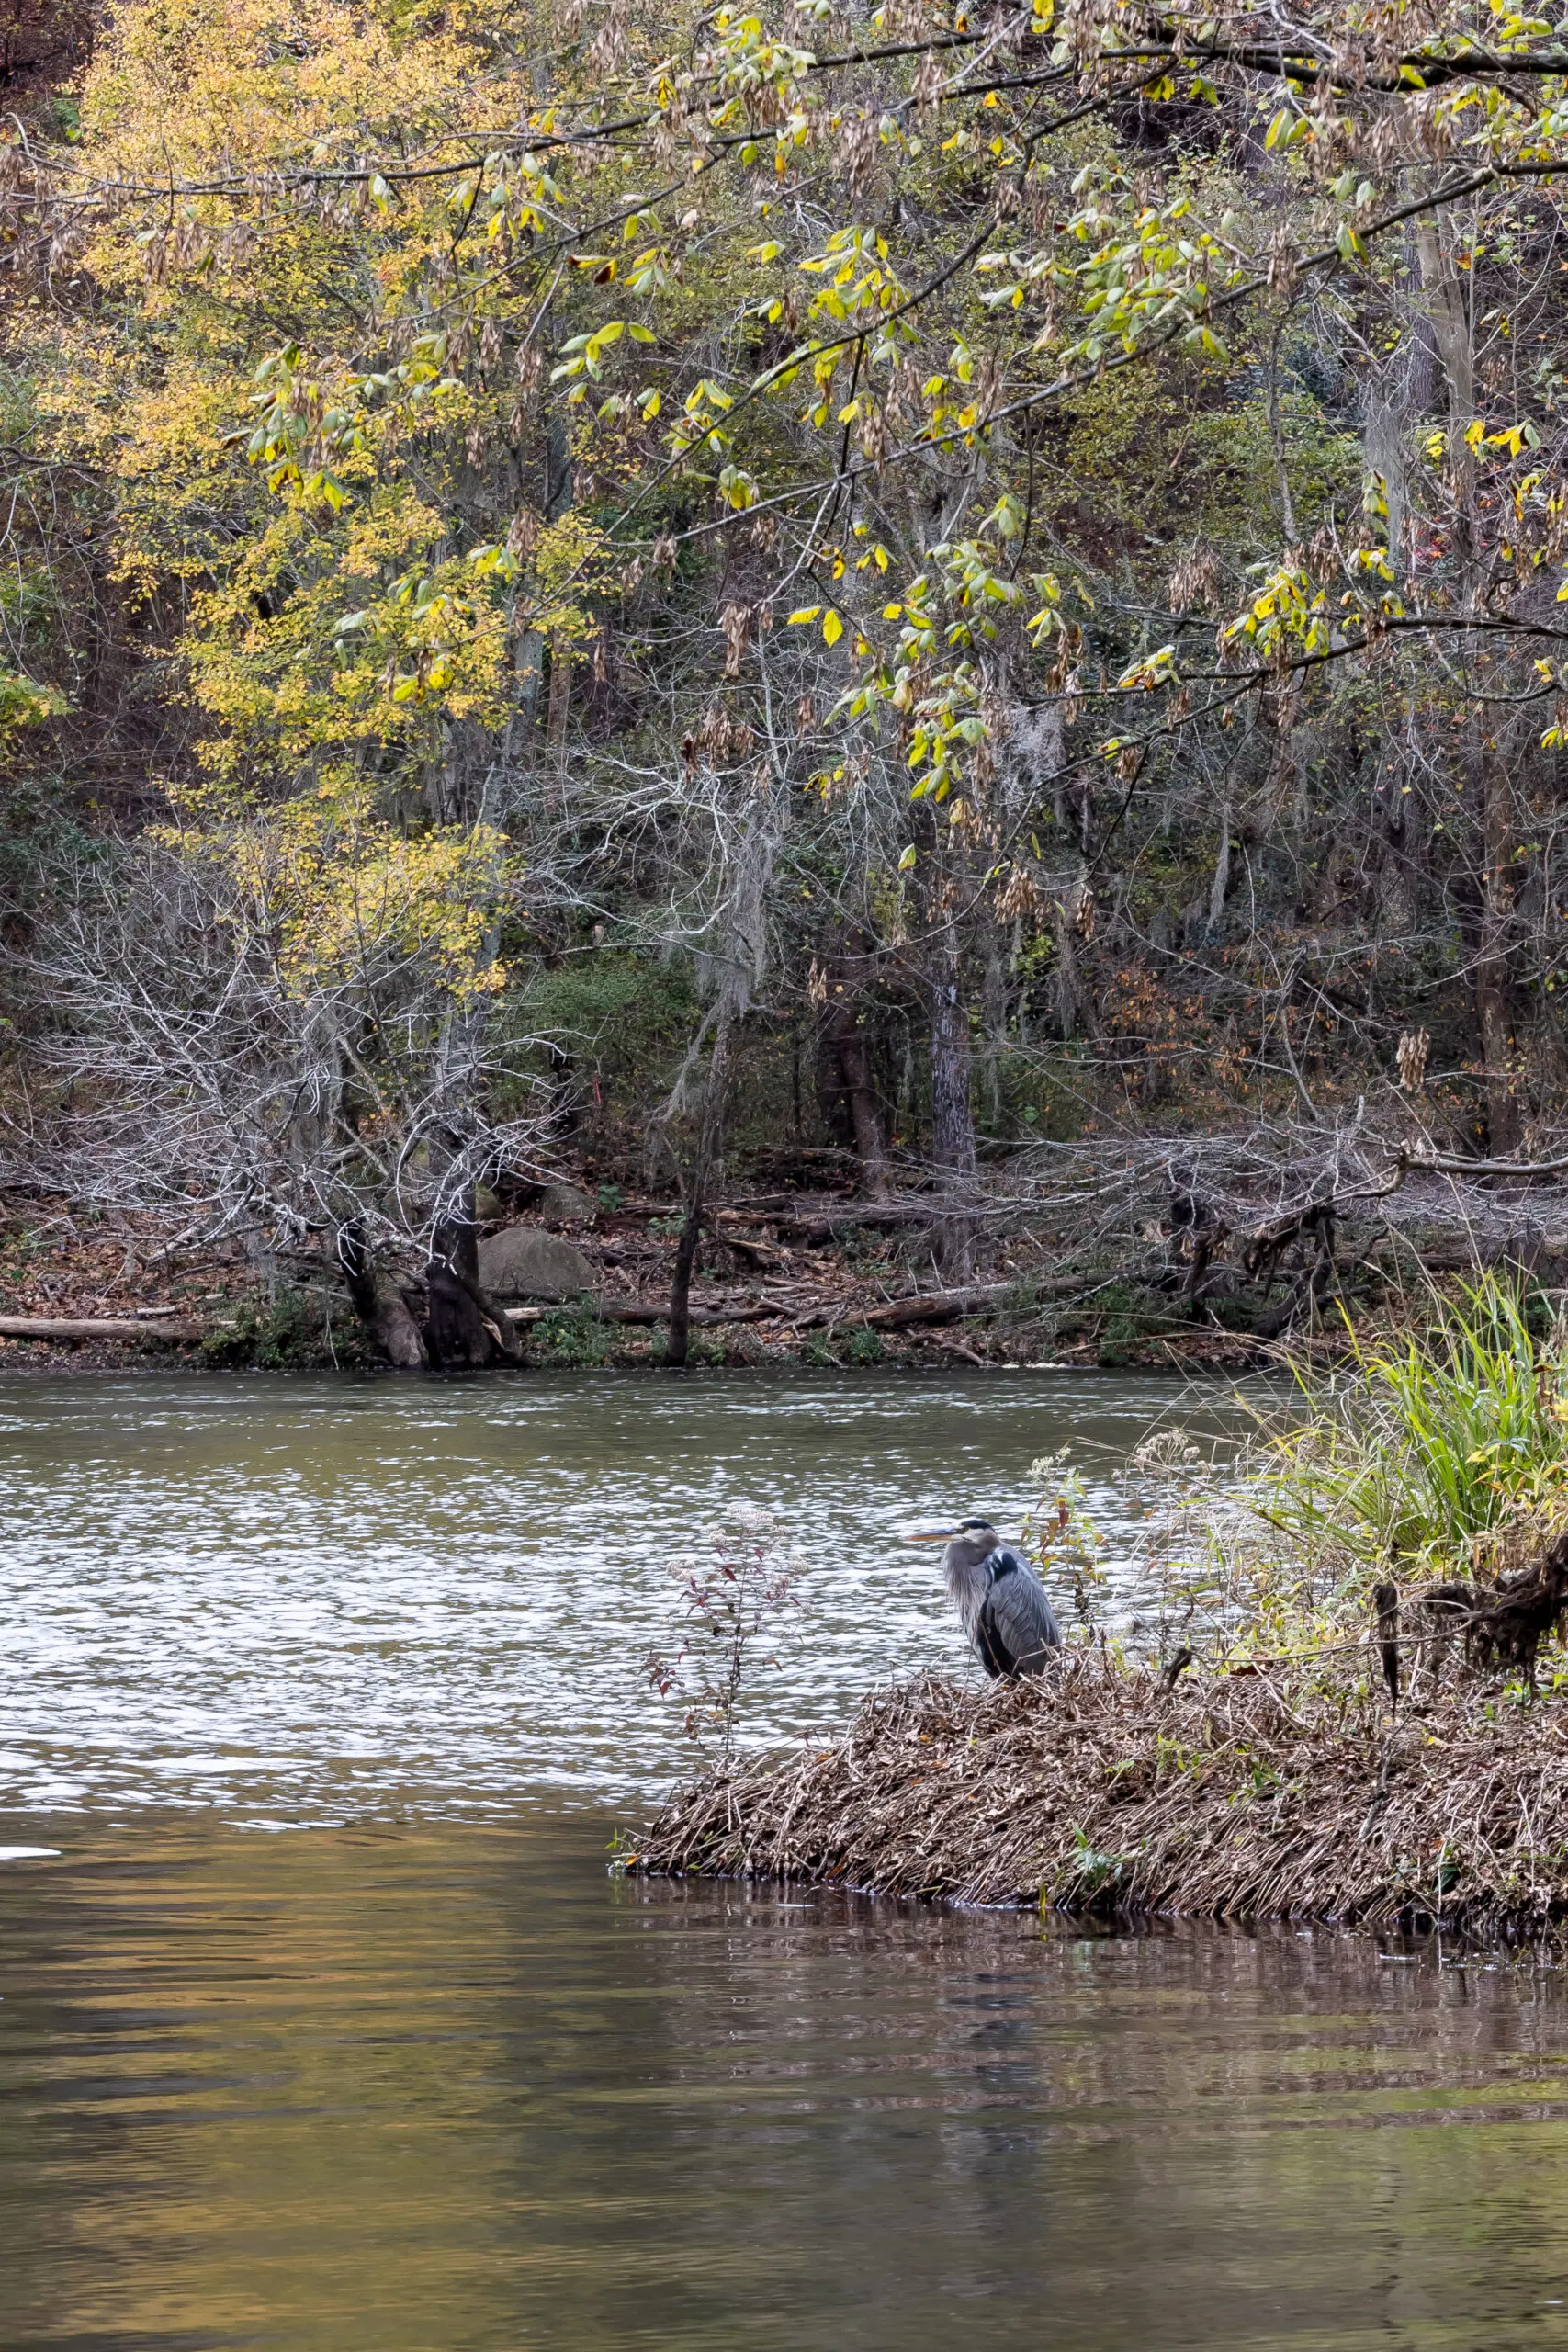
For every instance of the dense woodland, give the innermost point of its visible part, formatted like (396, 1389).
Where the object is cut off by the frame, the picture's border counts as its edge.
(956, 604)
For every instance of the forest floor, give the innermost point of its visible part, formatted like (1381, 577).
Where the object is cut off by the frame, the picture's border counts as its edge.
(1261, 1793)
(813, 1278)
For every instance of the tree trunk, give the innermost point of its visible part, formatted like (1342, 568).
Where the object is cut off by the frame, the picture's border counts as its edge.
(847, 1040)
(455, 1330)
(1448, 300)
(832, 1094)
(466, 1325)
(1493, 980)
(678, 1338)
(710, 1129)
(378, 1302)
(995, 1009)
(952, 1124)
(1074, 1008)
(559, 707)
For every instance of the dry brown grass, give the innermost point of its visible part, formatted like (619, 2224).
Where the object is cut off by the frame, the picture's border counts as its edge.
(1234, 1796)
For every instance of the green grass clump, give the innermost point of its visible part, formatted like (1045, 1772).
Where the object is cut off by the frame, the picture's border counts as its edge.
(1430, 1443)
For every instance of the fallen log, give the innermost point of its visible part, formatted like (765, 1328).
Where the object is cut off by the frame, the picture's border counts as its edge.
(947, 1306)
(925, 1306)
(707, 1315)
(99, 1326)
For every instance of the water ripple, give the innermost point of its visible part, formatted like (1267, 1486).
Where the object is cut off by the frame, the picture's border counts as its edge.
(324, 1599)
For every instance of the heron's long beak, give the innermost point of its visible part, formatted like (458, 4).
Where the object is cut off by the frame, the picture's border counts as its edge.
(930, 1536)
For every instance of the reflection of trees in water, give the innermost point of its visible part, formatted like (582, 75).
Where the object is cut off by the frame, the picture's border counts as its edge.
(269, 2074)
(37, 2135)
(458, 2090)
(1107, 2143)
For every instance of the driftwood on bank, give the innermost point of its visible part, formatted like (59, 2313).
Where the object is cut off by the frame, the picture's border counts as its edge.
(947, 1307)
(1499, 1627)
(100, 1326)
(894, 1314)
(1266, 1794)
(702, 1316)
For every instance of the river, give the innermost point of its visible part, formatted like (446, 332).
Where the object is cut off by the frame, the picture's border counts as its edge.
(323, 2027)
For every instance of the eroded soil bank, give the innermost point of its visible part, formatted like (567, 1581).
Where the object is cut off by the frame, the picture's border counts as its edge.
(1242, 1797)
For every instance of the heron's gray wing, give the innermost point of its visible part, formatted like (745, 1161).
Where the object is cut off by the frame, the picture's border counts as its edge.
(989, 1648)
(1017, 1622)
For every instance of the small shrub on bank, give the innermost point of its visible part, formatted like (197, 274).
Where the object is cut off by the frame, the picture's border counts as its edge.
(705, 1351)
(570, 1338)
(291, 1332)
(1441, 1454)
(731, 1593)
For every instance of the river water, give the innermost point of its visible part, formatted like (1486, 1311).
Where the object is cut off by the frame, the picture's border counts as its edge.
(323, 2027)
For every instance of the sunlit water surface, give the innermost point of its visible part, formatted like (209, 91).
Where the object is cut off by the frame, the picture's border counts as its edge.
(413, 2073)
(327, 1599)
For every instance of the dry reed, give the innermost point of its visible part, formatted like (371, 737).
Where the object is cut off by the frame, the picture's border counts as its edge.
(1279, 1793)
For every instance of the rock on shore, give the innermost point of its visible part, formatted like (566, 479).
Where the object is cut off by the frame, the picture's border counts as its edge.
(521, 1261)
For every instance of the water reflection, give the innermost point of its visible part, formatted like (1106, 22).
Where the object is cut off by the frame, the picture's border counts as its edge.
(443, 2086)
(406, 2090)
(324, 1599)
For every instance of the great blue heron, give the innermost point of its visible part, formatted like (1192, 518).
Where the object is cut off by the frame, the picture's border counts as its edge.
(1000, 1602)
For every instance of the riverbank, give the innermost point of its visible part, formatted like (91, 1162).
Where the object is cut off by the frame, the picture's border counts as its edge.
(818, 1278)
(802, 1279)
(1266, 1794)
